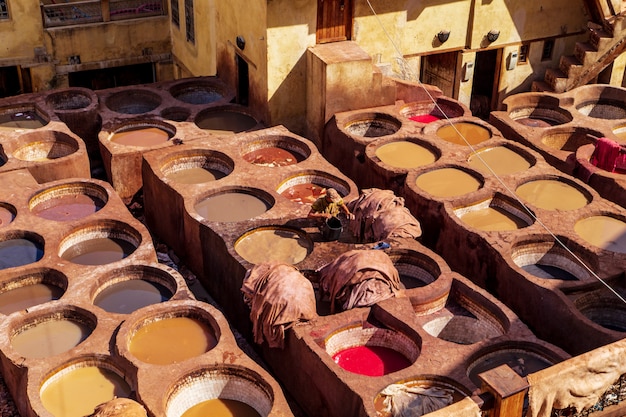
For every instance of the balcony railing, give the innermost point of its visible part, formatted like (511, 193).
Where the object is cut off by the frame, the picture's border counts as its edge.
(92, 11)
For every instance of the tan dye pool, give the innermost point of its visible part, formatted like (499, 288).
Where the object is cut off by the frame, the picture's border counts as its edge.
(499, 159)
(447, 182)
(273, 245)
(464, 133)
(405, 154)
(552, 195)
(604, 232)
(144, 137)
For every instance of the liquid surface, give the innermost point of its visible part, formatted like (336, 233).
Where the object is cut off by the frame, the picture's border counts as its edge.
(231, 207)
(92, 385)
(371, 360)
(464, 133)
(128, 296)
(49, 338)
(603, 232)
(424, 118)
(98, 251)
(21, 120)
(272, 156)
(305, 193)
(535, 122)
(552, 195)
(68, 207)
(491, 219)
(27, 296)
(219, 407)
(500, 159)
(143, 137)
(447, 182)
(6, 216)
(18, 252)
(404, 154)
(226, 122)
(195, 175)
(273, 245)
(549, 272)
(172, 340)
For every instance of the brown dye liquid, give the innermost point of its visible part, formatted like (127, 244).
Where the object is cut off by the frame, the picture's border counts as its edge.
(491, 219)
(20, 120)
(49, 338)
(78, 392)
(603, 232)
(128, 296)
(6, 216)
(144, 137)
(98, 251)
(305, 193)
(172, 340)
(227, 122)
(195, 175)
(447, 182)
(231, 207)
(219, 407)
(404, 154)
(273, 245)
(68, 207)
(272, 156)
(468, 133)
(500, 159)
(552, 195)
(26, 296)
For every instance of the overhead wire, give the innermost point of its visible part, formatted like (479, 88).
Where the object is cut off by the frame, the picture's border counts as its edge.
(415, 78)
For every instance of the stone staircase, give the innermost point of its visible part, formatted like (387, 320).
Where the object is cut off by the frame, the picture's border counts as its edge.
(606, 42)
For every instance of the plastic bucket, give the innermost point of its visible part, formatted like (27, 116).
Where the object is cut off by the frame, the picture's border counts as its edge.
(332, 229)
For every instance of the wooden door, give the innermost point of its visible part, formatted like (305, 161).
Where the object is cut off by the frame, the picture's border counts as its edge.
(440, 70)
(334, 20)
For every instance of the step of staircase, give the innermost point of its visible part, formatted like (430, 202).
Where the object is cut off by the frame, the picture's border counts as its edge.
(556, 79)
(585, 53)
(600, 39)
(540, 87)
(570, 66)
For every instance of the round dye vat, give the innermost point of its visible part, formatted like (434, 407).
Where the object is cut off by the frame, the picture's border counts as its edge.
(464, 133)
(21, 120)
(98, 251)
(549, 272)
(447, 182)
(523, 363)
(273, 245)
(405, 154)
(26, 296)
(603, 232)
(91, 384)
(231, 207)
(535, 122)
(221, 407)
(130, 295)
(6, 215)
(18, 252)
(424, 118)
(68, 207)
(195, 175)
(143, 137)
(491, 219)
(500, 159)
(371, 360)
(272, 156)
(305, 193)
(49, 338)
(226, 122)
(552, 195)
(172, 340)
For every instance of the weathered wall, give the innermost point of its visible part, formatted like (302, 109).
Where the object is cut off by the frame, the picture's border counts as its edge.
(21, 33)
(195, 58)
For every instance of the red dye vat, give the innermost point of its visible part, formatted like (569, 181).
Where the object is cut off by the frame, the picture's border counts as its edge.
(305, 193)
(371, 360)
(424, 118)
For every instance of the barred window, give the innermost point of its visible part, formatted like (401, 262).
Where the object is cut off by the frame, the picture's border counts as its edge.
(4, 9)
(189, 25)
(175, 14)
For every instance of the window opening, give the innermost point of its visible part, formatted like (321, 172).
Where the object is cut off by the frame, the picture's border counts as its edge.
(175, 12)
(189, 24)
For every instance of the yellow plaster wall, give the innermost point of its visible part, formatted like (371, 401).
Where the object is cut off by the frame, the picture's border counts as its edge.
(197, 58)
(20, 34)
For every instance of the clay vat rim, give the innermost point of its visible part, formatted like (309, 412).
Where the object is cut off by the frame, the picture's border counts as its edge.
(597, 301)
(598, 90)
(368, 117)
(426, 263)
(43, 138)
(21, 107)
(372, 147)
(328, 180)
(32, 276)
(3, 156)
(413, 175)
(296, 231)
(184, 86)
(555, 114)
(50, 99)
(498, 200)
(533, 97)
(428, 379)
(512, 146)
(107, 228)
(77, 187)
(165, 311)
(572, 182)
(391, 339)
(142, 272)
(406, 110)
(564, 130)
(10, 208)
(257, 387)
(282, 141)
(150, 96)
(267, 198)
(210, 158)
(175, 109)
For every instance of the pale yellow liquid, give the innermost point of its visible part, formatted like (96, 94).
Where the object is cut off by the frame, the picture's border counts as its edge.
(49, 338)
(552, 195)
(195, 175)
(500, 159)
(172, 340)
(78, 392)
(464, 133)
(273, 245)
(447, 182)
(491, 219)
(404, 154)
(221, 408)
(604, 232)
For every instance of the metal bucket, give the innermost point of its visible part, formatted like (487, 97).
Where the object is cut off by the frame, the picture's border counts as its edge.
(332, 229)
